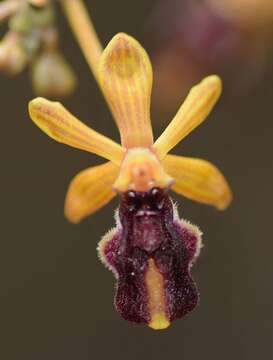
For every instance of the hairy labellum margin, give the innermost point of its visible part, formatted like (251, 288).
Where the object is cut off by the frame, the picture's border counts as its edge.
(150, 253)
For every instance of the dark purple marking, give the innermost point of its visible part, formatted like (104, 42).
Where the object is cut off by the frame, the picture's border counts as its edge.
(148, 229)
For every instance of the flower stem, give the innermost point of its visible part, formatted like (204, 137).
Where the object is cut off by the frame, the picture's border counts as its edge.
(84, 31)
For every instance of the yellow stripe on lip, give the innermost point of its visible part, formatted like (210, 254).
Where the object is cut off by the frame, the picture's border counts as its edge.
(156, 297)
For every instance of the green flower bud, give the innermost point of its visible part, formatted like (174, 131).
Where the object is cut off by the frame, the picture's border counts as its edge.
(13, 58)
(52, 75)
(28, 18)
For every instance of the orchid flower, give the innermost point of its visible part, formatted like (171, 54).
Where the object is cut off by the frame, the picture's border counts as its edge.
(150, 251)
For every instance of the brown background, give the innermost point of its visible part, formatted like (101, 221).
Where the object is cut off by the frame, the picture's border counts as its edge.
(56, 297)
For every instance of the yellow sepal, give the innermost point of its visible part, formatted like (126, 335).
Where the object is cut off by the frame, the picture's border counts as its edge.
(192, 113)
(89, 191)
(125, 75)
(198, 180)
(58, 123)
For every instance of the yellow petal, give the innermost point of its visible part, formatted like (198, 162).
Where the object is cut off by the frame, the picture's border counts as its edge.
(198, 180)
(62, 126)
(89, 191)
(192, 113)
(125, 74)
(141, 171)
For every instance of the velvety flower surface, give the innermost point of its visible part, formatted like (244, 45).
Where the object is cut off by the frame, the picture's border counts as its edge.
(151, 250)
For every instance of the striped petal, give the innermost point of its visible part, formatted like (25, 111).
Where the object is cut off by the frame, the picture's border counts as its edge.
(192, 113)
(62, 126)
(90, 190)
(125, 74)
(198, 180)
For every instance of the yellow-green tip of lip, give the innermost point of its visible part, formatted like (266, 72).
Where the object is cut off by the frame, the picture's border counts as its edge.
(159, 322)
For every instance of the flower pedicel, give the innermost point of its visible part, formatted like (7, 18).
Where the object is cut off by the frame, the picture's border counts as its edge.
(151, 250)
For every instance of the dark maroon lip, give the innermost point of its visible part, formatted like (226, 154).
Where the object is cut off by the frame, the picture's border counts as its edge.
(148, 230)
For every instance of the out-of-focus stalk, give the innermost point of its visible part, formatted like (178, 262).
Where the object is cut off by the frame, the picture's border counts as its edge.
(84, 31)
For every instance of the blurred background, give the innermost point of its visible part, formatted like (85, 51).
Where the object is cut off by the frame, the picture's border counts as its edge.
(55, 296)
